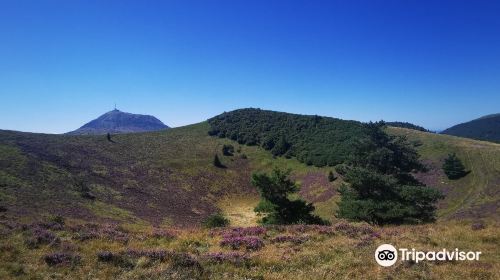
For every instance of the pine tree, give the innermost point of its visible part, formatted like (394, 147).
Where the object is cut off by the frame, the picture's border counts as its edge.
(381, 188)
(331, 177)
(453, 167)
(275, 204)
(228, 150)
(217, 162)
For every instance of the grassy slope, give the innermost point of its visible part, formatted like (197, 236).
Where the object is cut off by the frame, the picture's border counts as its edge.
(326, 253)
(477, 194)
(161, 177)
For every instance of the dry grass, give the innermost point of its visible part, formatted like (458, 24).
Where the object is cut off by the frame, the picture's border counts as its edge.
(337, 252)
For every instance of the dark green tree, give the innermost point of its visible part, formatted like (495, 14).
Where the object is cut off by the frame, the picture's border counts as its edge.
(279, 209)
(331, 177)
(228, 150)
(381, 189)
(217, 162)
(280, 147)
(453, 167)
(108, 136)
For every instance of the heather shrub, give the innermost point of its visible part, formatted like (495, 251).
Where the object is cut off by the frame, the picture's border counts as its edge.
(290, 238)
(61, 258)
(241, 231)
(40, 236)
(184, 260)
(230, 257)
(153, 254)
(94, 231)
(58, 219)
(478, 225)
(105, 256)
(252, 243)
(163, 233)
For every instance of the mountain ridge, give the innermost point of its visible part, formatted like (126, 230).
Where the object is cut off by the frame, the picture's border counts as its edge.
(117, 122)
(485, 128)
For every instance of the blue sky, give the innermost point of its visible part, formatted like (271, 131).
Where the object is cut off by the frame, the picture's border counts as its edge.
(63, 63)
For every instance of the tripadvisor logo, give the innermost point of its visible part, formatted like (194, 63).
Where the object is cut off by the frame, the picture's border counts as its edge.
(387, 255)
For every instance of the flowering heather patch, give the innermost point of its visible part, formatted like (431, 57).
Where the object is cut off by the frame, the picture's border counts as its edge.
(51, 225)
(364, 241)
(61, 259)
(326, 230)
(352, 231)
(299, 228)
(44, 225)
(94, 231)
(153, 254)
(184, 260)
(231, 257)
(290, 238)
(40, 236)
(240, 232)
(114, 233)
(478, 226)
(10, 225)
(247, 242)
(163, 233)
(321, 229)
(86, 231)
(277, 228)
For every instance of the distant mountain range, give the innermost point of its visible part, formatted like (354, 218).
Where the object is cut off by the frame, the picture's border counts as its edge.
(484, 128)
(117, 122)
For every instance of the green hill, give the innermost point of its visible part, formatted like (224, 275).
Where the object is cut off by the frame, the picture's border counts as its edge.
(167, 177)
(313, 140)
(484, 128)
(407, 125)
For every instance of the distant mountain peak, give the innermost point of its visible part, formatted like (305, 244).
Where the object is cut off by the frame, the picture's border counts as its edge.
(116, 121)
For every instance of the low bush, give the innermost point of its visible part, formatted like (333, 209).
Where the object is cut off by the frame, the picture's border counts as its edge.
(61, 258)
(216, 220)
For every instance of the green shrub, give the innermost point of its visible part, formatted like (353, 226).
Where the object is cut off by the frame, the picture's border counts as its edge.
(216, 220)
(217, 162)
(228, 150)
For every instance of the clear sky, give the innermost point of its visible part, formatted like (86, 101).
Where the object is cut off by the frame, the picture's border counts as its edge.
(63, 63)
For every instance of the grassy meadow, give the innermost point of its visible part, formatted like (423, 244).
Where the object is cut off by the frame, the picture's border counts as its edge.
(151, 191)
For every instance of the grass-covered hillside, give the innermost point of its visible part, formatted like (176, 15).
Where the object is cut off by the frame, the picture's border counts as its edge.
(475, 195)
(163, 177)
(485, 128)
(168, 177)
